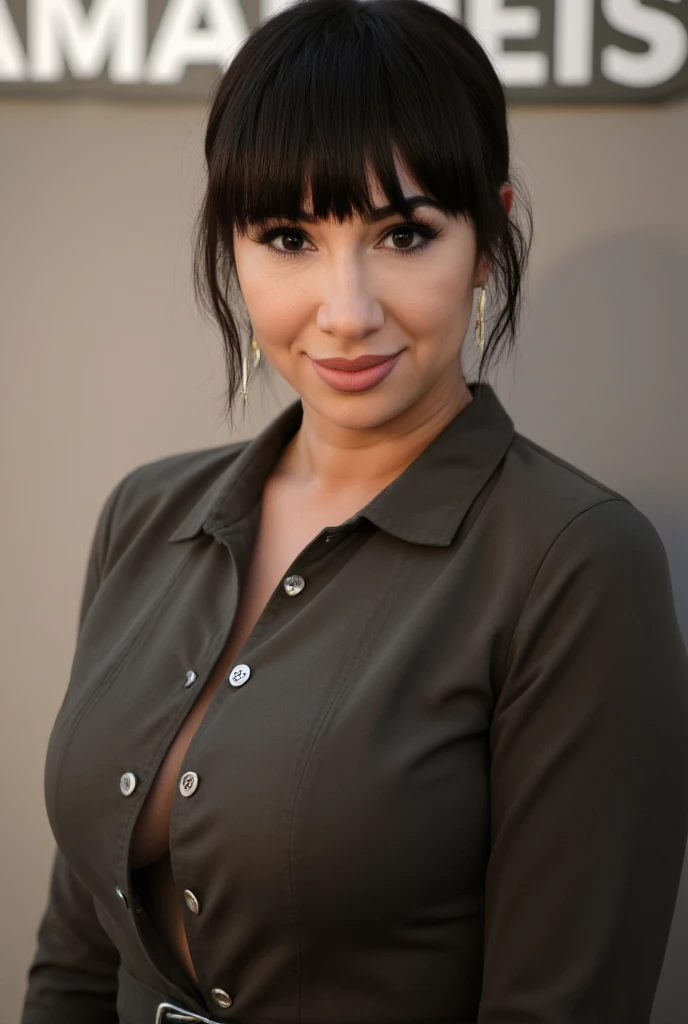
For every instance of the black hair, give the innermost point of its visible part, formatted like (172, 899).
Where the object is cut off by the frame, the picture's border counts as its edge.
(324, 89)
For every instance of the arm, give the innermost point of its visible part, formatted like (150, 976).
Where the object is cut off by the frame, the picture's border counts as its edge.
(589, 782)
(72, 978)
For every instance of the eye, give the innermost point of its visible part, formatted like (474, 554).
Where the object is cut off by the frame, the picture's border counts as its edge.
(408, 231)
(293, 236)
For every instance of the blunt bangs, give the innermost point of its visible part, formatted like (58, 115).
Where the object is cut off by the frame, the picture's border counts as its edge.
(318, 101)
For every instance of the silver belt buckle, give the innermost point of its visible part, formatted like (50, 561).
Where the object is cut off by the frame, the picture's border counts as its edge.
(170, 1012)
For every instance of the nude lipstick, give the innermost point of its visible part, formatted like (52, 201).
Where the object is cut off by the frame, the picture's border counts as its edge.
(355, 374)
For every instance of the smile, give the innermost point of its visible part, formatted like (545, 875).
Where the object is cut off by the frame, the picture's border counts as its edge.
(356, 380)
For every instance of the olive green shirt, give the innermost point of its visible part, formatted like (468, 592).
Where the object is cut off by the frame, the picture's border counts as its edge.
(446, 781)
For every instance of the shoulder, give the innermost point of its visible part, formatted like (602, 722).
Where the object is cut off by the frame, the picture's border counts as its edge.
(182, 477)
(155, 496)
(538, 473)
(588, 574)
(557, 514)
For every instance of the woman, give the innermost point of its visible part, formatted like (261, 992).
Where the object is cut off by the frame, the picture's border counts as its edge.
(381, 716)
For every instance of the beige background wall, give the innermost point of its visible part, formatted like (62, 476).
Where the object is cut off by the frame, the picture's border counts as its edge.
(105, 363)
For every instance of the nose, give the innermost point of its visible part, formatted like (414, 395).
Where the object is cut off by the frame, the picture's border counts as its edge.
(350, 307)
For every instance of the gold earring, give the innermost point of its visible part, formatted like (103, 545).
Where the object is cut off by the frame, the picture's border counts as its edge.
(255, 359)
(479, 323)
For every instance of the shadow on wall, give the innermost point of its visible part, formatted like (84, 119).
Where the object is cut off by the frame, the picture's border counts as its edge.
(600, 377)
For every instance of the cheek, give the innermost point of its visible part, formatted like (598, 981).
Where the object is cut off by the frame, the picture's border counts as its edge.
(429, 297)
(439, 302)
(435, 295)
(274, 301)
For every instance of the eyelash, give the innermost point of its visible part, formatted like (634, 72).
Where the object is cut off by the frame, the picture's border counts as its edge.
(417, 227)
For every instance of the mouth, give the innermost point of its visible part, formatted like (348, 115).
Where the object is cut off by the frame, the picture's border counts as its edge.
(355, 374)
(360, 363)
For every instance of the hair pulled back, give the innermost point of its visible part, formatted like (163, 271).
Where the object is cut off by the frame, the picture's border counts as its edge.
(323, 93)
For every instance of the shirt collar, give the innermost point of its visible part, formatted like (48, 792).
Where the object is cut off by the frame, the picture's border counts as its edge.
(425, 504)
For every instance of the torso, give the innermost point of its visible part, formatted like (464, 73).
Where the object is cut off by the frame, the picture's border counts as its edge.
(281, 536)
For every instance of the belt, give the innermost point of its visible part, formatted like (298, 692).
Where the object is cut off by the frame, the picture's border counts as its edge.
(139, 1004)
(168, 1012)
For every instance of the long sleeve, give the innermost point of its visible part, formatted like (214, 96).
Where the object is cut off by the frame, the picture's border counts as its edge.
(589, 782)
(72, 978)
(73, 975)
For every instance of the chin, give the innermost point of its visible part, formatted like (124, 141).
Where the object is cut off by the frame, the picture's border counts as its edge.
(362, 410)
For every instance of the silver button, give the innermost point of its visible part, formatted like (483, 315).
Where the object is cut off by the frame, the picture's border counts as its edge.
(188, 783)
(294, 585)
(191, 902)
(239, 675)
(121, 896)
(221, 997)
(191, 678)
(128, 783)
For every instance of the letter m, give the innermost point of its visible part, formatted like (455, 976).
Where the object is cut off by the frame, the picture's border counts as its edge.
(61, 32)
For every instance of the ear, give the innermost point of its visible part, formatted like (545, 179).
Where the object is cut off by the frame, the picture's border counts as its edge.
(482, 270)
(507, 194)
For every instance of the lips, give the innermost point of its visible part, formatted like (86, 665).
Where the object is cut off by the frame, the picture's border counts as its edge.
(360, 363)
(359, 374)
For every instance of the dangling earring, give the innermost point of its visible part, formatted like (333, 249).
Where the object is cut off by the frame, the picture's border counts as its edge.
(255, 359)
(479, 323)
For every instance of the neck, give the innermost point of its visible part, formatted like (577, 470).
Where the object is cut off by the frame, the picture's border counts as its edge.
(329, 459)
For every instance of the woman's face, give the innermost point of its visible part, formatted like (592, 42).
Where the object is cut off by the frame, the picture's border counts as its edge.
(329, 290)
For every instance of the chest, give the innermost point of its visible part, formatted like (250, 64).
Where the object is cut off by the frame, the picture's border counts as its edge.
(280, 537)
(358, 728)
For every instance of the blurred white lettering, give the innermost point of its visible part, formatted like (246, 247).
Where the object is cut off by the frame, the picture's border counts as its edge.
(574, 29)
(109, 41)
(666, 39)
(492, 23)
(180, 42)
(12, 60)
(61, 31)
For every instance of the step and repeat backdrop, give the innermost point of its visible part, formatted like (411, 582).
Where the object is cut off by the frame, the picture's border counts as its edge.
(105, 362)
(567, 50)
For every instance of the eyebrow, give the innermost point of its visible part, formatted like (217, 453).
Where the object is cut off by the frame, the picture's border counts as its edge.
(381, 212)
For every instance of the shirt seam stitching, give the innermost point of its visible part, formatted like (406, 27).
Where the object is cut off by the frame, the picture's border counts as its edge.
(93, 698)
(604, 501)
(560, 461)
(362, 651)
